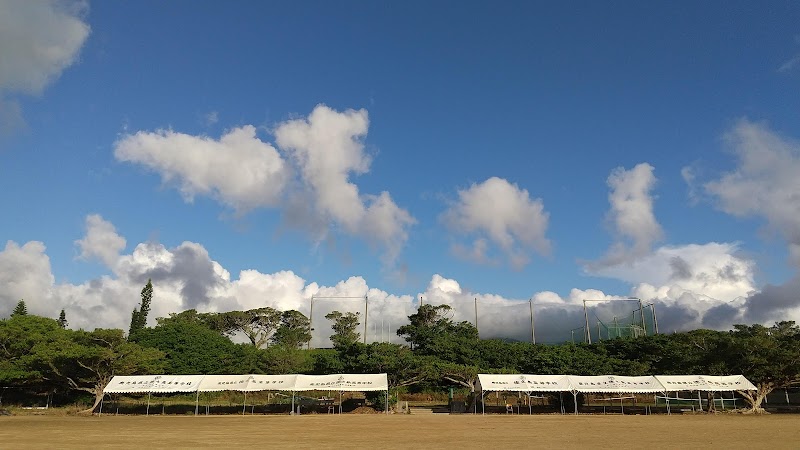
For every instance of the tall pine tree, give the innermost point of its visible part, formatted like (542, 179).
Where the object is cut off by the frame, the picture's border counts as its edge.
(20, 309)
(139, 317)
(62, 319)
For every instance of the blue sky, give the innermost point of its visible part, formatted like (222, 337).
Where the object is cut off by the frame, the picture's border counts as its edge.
(493, 129)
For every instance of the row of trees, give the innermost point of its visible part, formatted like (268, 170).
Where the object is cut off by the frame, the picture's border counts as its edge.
(40, 353)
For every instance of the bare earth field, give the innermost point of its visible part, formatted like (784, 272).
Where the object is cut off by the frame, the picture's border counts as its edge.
(401, 431)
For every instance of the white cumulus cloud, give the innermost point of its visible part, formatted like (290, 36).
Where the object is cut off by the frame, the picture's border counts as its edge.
(764, 182)
(312, 185)
(631, 212)
(239, 169)
(500, 213)
(101, 241)
(38, 40)
(327, 147)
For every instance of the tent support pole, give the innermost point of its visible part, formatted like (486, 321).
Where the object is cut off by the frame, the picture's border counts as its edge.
(292, 402)
(148, 404)
(387, 401)
(483, 407)
(244, 406)
(197, 403)
(699, 400)
(575, 401)
(101, 405)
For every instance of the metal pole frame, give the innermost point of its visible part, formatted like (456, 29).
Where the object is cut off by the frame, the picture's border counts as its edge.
(476, 317)
(366, 316)
(197, 403)
(311, 321)
(655, 318)
(533, 329)
(588, 333)
(575, 401)
(641, 314)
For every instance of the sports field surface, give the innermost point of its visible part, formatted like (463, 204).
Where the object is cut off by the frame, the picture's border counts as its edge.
(402, 431)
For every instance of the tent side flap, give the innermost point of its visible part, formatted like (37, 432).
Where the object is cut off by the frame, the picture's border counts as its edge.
(705, 383)
(217, 383)
(523, 383)
(615, 384)
(153, 383)
(342, 382)
(271, 382)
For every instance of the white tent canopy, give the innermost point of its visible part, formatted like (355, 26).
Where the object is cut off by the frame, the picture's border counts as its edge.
(523, 383)
(711, 383)
(615, 384)
(246, 383)
(150, 384)
(153, 384)
(612, 384)
(342, 382)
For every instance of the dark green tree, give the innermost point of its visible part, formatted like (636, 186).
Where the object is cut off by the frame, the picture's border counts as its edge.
(36, 351)
(139, 317)
(282, 359)
(428, 322)
(344, 328)
(767, 356)
(193, 348)
(62, 319)
(20, 309)
(294, 330)
(257, 324)
(19, 335)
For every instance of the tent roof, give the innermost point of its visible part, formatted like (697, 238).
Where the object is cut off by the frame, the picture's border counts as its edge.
(523, 383)
(612, 383)
(615, 384)
(705, 383)
(247, 383)
(153, 383)
(342, 382)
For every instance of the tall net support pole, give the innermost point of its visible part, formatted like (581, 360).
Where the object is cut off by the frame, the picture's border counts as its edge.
(641, 314)
(366, 315)
(533, 330)
(311, 322)
(655, 318)
(587, 333)
(476, 316)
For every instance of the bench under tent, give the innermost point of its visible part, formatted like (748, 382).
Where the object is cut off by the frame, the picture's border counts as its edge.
(524, 383)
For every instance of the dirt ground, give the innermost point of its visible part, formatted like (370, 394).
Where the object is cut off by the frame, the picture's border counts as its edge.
(401, 431)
